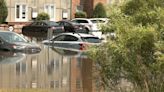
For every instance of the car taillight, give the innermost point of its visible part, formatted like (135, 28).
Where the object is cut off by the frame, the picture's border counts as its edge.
(76, 27)
(63, 28)
(83, 46)
(52, 28)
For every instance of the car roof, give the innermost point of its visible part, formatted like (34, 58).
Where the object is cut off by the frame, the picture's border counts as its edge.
(80, 19)
(78, 34)
(99, 19)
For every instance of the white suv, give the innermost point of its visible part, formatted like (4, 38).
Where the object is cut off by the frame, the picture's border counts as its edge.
(90, 26)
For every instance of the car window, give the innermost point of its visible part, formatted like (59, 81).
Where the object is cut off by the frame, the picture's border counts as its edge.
(34, 24)
(12, 37)
(70, 38)
(82, 21)
(65, 38)
(74, 21)
(91, 39)
(51, 23)
(67, 24)
(42, 24)
(58, 38)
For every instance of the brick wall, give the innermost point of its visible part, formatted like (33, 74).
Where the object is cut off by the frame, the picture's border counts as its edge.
(90, 4)
(75, 3)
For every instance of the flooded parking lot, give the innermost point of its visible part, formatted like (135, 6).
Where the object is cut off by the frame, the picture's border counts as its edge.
(56, 69)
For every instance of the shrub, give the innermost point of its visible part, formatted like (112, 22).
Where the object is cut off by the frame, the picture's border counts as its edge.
(43, 16)
(80, 14)
(3, 11)
(99, 11)
(136, 56)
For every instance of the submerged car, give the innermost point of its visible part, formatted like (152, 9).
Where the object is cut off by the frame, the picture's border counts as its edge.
(40, 28)
(73, 41)
(11, 41)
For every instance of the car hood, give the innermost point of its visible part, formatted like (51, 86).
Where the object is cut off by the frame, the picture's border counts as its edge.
(25, 44)
(28, 48)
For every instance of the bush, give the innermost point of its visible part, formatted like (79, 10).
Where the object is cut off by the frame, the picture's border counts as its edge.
(99, 11)
(3, 11)
(80, 14)
(133, 62)
(43, 16)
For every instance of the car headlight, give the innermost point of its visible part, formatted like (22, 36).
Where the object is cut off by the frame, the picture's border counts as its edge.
(19, 47)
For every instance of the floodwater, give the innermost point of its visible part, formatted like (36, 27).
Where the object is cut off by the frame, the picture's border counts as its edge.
(54, 69)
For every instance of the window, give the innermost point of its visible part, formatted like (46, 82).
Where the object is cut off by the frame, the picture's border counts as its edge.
(67, 24)
(21, 12)
(59, 38)
(70, 38)
(82, 21)
(50, 9)
(91, 39)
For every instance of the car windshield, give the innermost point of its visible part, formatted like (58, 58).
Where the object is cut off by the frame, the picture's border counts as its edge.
(12, 37)
(91, 39)
(51, 23)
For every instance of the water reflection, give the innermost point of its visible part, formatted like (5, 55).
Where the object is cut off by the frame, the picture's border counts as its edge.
(57, 69)
(7, 57)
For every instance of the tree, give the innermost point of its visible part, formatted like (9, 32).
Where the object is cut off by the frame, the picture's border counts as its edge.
(43, 16)
(99, 11)
(3, 11)
(136, 55)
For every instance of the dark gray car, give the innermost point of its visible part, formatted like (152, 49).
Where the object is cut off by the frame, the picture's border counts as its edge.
(10, 41)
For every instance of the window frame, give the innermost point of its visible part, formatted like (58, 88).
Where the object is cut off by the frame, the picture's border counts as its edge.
(49, 12)
(21, 12)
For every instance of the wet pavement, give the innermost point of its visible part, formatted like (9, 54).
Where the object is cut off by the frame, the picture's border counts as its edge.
(56, 69)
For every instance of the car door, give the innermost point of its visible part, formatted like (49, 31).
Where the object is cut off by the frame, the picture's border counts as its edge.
(42, 27)
(71, 42)
(57, 41)
(68, 27)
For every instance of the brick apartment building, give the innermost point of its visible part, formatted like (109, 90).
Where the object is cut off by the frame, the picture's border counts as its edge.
(21, 12)
(85, 5)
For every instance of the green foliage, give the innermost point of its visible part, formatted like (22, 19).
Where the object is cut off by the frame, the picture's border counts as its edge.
(134, 60)
(80, 14)
(43, 16)
(99, 11)
(3, 11)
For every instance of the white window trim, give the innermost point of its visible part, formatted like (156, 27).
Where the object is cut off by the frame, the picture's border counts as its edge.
(52, 19)
(26, 13)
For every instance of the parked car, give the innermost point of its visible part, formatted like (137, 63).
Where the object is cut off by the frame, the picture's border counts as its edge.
(91, 27)
(11, 41)
(40, 28)
(99, 20)
(72, 41)
(72, 27)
